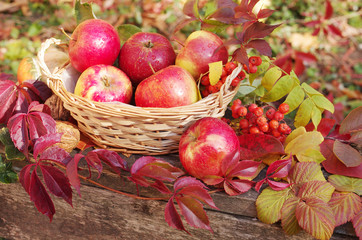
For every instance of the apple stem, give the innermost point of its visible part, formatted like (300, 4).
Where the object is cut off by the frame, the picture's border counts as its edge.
(176, 40)
(63, 31)
(153, 70)
(105, 80)
(149, 44)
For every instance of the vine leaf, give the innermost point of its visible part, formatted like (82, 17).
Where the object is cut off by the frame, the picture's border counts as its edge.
(345, 206)
(25, 128)
(189, 193)
(315, 217)
(269, 204)
(254, 146)
(146, 168)
(346, 184)
(357, 223)
(289, 220)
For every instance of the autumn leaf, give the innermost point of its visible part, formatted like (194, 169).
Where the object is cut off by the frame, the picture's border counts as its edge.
(345, 206)
(357, 223)
(315, 217)
(353, 121)
(348, 155)
(346, 184)
(269, 204)
(289, 220)
(316, 189)
(306, 171)
(215, 71)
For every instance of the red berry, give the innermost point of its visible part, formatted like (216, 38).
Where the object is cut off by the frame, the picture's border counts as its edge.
(223, 79)
(276, 133)
(270, 113)
(241, 75)
(242, 111)
(205, 92)
(226, 120)
(283, 108)
(281, 138)
(224, 72)
(235, 82)
(253, 69)
(255, 60)
(264, 128)
(252, 107)
(229, 67)
(258, 111)
(218, 85)
(245, 131)
(212, 88)
(237, 102)
(205, 80)
(261, 120)
(244, 123)
(273, 124)
(254, 130)
(284, 128)
(278, 116)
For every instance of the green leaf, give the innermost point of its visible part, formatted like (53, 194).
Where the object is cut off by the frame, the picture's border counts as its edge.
(281, 88)
(294, 77)
(323, 102)
(309, 90)
(259, 91)
(346, 184)
(196, 9)
(345, 205)
(270, 77)
(11, 152)
(215, 71)
(269, 204)
(34, 29)
(289, 221)
(306, 171)
(7, 174)
(304, 113)
(316, 116)
(83, 11)
(261, 69)
(316, 218)
(295, 98)
(125, 31)
(319, 189)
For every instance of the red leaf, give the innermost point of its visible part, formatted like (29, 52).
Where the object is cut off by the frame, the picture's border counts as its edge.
(329, 10)
(258, 30)
(227, 15)
(193, 212)
(45, 142)
(187, 182)
(57, 183)
(7, 99)
(298, 67)
(259, 184)
(212, 179)
(283, 61)
(19, 132)
(238, 186)
(261, 45)
(324, 127)
(335, 30)
(188, 8)
(241, 56)
(353, 121)
(253, 146)
(172, 217)
(160, 186)
(357, 223)
(316, 31)
(313, 23)
(56, 154)
(111, 158)
(306, 57)
(280, 168)
(333, 165)
(264, 13)
(72, 171)
(245, 168)
(94, 161)
(37, 90)
(24, 177)
(348, 155)
(277, 186)
(40, 197)
(200, 193)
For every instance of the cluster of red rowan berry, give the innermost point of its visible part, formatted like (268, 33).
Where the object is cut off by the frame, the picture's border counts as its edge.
(228, 68)
(253, 120)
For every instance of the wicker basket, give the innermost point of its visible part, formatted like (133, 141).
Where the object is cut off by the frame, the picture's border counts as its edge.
(131, 129)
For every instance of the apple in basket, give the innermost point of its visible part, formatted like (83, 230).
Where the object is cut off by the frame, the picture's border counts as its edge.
(93, 42)
(104, 83)
(204, 146)
(201, 48)
(172, 86)
(145, 53)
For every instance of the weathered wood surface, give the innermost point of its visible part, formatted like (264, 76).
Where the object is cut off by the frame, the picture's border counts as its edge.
(101, 214)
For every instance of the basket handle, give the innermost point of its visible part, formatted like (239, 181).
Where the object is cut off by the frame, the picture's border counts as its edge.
(227, 84)
(43, 66)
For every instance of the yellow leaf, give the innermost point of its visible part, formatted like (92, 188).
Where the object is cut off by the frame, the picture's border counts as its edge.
(295, 98)
(319, 189)
(316, 116)
(270, 158)
(269, 204)
(289, 221)
(304, 113)
(304, 142)
(215, 71)
(346, 184)
(296, 132)
(306, 171)
(323, 102)
(270, 77)
(345, 205)
(311, 155)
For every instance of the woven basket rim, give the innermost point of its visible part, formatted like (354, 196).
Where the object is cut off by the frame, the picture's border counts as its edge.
(55, 82)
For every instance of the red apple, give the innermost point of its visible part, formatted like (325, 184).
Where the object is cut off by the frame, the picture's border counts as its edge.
(204, 146)
(104, 83)
(143, 50)
(93, 42)
(170, 87)
(200, 49)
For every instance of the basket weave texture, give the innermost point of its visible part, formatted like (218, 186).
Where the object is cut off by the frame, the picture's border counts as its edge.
(130, 129)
